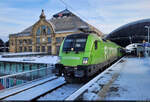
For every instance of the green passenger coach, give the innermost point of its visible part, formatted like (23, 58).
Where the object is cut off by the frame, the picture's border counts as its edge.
(82, 55)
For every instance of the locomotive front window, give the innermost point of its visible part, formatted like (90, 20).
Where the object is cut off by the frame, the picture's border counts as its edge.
(68, 44)
(74, 44)
(80, 44)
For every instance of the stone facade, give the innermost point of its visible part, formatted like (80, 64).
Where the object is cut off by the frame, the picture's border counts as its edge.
(47, 35)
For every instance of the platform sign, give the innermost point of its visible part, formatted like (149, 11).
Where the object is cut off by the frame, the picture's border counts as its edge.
(146, 44)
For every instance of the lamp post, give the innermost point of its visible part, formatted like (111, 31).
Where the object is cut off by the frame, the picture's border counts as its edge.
(148, 27)
(147, 49)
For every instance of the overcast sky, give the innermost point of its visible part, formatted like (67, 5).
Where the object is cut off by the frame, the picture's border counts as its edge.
(106, 15)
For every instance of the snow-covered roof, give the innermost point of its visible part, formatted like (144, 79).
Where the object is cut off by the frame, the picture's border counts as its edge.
(38, 59)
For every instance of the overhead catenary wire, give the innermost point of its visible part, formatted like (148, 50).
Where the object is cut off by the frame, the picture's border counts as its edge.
(80, 15)
(68, 6)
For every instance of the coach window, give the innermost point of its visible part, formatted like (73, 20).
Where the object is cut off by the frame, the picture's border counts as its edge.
(95, 44)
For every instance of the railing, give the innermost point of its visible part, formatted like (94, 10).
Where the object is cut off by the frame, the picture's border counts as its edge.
(9, 81)
(18, 68)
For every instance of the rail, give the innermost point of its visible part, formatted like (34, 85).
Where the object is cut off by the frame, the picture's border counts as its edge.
(10, 81)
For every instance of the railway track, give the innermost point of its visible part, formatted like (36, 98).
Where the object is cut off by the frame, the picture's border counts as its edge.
(60, 93)
(37, 90)
(48, 92)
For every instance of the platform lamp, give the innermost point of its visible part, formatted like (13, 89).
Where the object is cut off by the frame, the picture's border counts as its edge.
(148, 27)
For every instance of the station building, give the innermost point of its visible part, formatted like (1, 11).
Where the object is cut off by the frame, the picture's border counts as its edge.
(134, 32)
(46, 35)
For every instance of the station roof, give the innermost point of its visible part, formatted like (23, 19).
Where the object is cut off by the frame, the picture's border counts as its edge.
(134, 32)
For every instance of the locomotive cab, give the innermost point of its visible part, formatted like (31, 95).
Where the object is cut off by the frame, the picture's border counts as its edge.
(82, 55)
(74, 56)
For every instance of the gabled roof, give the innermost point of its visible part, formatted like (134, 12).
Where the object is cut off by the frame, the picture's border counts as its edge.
(64, 21)
(28, 30)
(63, 13)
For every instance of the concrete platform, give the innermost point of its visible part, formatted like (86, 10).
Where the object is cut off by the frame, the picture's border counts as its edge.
(133, 81)
(127, 79)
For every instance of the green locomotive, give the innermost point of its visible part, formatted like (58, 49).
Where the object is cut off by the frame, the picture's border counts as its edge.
(84, 54)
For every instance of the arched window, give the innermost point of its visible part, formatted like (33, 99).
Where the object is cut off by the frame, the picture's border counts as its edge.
(48, 30)
(38, 31)
(43, 30)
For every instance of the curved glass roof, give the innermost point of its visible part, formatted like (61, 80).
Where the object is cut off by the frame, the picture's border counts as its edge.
(134, 32)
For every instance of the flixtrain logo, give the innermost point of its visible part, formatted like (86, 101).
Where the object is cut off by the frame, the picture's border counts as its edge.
(109, 51)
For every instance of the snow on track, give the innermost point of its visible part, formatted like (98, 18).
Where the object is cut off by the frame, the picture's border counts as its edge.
(37, 91)
(61, 93)
(20, 88)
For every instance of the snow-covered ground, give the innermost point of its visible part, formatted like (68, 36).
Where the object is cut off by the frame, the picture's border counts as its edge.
(133, 82)
(38, 59)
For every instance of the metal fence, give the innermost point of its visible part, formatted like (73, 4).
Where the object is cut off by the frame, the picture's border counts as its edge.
(9, 81)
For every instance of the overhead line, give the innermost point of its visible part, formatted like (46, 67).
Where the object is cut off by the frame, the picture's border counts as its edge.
(66, 5)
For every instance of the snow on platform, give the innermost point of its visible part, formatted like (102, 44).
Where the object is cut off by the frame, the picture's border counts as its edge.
(133, 82)
(128, 79)
(34, 92)
(90, 90)
(38, 59)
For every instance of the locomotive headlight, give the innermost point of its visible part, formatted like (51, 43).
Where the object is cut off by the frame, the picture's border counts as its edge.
(85, 60)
